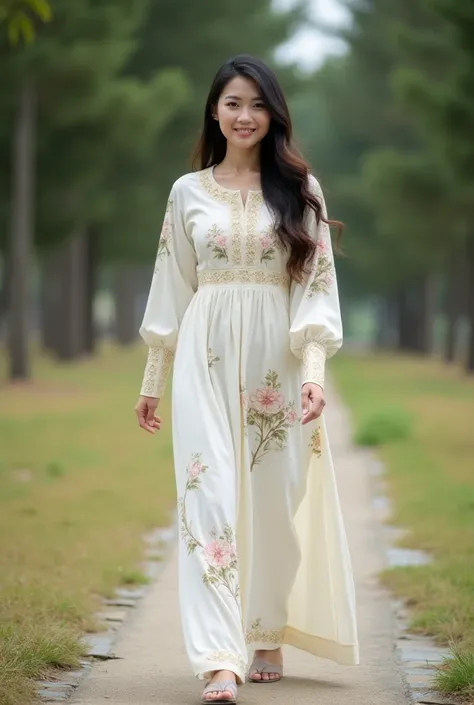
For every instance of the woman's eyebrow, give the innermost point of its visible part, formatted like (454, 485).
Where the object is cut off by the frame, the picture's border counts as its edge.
(236, 97)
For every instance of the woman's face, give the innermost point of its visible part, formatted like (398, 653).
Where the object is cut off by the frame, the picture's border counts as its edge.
(243, 118)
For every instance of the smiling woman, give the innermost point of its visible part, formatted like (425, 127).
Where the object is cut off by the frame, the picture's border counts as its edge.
(244, 297)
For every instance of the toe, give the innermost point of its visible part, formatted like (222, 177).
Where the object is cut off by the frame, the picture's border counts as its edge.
(256, 676)
(265, 676)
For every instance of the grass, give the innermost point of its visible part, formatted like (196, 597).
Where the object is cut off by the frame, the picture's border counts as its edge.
(79, 484)
(431, 483)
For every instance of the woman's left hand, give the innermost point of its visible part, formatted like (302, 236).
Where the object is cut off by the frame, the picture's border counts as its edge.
(312, 402)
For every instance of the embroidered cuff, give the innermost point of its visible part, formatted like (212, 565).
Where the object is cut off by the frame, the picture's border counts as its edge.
(314, 362)
(157, 369)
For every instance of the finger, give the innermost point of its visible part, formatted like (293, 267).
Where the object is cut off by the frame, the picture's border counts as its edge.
(314, 411)
(318, 408)
(305, 402)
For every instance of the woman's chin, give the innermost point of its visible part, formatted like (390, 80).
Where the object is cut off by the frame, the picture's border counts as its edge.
(243, 143)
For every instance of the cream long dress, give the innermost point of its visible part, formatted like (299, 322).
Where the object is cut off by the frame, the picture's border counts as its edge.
(263, 556)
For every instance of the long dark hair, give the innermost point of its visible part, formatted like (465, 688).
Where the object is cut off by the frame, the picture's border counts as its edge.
(284, 172)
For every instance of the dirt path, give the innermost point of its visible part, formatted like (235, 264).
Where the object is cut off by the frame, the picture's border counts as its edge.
(152, 668)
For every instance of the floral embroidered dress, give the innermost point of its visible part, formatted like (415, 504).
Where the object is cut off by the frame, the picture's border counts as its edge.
(263, 556)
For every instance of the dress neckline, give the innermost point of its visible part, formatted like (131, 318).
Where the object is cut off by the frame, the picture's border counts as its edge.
(224, 189)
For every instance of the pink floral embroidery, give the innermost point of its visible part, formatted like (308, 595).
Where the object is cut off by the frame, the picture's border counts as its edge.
(217, 241)
(267, 400)
(269, 245)
(271, 417)
(196, 468)
(164, 245)
(219, 554)
(292, 415)
(323, 272)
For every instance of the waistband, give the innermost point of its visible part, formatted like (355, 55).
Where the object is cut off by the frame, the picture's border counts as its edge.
(243, 276)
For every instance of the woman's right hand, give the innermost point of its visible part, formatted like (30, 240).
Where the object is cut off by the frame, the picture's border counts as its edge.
(145, 410)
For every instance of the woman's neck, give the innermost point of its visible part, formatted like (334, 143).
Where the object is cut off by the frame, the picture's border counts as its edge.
(240, 161)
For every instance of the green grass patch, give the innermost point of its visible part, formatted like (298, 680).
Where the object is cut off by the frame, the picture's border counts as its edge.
(456, 675)
(384, 426)
(431, 482)
(80, 483)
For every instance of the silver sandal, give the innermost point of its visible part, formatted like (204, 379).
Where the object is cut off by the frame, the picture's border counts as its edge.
(220, 687)
(259, 665)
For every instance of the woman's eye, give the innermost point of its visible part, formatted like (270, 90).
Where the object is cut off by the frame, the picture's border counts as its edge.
(259, 106)
(232, 104)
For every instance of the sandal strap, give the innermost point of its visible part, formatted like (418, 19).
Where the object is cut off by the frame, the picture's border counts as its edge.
(220, 687)
(260, 665)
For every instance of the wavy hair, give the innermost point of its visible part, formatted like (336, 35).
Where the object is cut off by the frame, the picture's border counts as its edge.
(283, 171)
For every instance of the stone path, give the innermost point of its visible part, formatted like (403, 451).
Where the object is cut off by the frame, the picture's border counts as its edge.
(152, 667)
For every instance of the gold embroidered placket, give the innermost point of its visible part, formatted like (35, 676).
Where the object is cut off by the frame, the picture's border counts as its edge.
(254, 202)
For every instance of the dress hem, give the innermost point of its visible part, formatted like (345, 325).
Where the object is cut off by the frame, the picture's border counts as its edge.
(206, 673)
(343, 654)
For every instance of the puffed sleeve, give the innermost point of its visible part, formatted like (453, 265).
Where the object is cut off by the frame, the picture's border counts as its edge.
(315, 315)
(172, 287)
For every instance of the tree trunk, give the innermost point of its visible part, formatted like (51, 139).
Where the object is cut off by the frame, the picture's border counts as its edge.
(405, 322)
(385, 337)
(70, 325)
(21, 234)
(125, 294)
(4, 290)
(470, 305)
(453, 306)
(425, 314)
(91, 272)
(50, 293)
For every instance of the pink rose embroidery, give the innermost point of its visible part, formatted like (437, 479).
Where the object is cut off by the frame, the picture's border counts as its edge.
(291, 415)
(267, 400)
(217, 242)
(270, 416)
(268, 245)
(219, 554)
(220, 240)
(195, 468)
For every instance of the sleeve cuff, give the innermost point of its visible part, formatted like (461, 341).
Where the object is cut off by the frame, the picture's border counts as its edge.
(314, 363)
(157, 370)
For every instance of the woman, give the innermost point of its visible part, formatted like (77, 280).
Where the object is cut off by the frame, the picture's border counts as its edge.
(244, 298)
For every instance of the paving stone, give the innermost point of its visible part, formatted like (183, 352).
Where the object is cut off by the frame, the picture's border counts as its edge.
(130, 593)
(154, 554)
(376, 468)
(121, 602)
(435, 699)
(99, 645)
(50, 696)
(382, 504)
(406, 557)
(58, 686)
(152, 569)
(423, 654)
(112, 615)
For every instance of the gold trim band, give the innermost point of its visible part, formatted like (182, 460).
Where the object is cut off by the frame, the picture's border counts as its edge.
(243, 276)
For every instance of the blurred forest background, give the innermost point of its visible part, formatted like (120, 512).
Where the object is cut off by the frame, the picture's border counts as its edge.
(101, 104)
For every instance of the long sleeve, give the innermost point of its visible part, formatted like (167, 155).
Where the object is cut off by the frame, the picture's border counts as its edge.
(315, 316)
(173, 285)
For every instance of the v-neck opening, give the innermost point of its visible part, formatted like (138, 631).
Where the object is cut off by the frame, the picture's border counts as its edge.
(234, 191)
